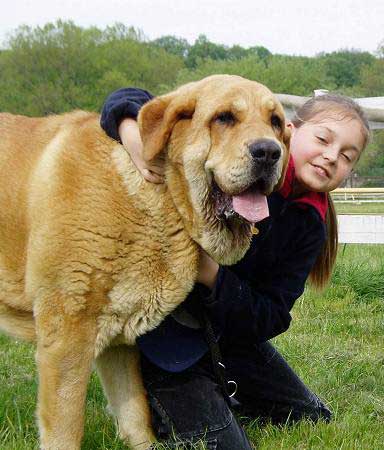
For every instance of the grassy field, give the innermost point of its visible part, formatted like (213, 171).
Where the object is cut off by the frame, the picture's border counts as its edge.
(360, 208)
(335, 344)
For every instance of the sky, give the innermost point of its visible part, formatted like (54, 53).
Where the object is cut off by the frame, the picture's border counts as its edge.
(295, 27)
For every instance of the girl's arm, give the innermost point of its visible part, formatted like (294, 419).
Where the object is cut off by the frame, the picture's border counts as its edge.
(118, 119)
(120, 105)
(129, 133)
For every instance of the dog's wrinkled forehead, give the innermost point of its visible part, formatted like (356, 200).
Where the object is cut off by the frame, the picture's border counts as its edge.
(241, 97)
(240, 101)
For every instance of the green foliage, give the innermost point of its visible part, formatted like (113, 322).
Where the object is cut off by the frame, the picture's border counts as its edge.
(372, 79)
(174, 45)
(60, 67)
(260, 51)
(46, 66)
(372, 160)
(344, 66)
(284, 74)
(204, 49)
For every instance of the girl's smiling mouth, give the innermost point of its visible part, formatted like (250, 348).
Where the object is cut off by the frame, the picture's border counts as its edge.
(321, 171)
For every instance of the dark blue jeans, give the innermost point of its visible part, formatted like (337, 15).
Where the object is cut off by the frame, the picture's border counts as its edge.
(188, 407)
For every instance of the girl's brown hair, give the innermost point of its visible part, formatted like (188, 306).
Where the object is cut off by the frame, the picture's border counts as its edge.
(342, 108)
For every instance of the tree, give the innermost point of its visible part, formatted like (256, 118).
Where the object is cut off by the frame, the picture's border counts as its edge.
(174, 45)
(47, 66)
(260, 51)
(238, 52)
(371, 162)
(372, 79)
(284, 74)
(344, 67)
(61, 66)
(204, 49)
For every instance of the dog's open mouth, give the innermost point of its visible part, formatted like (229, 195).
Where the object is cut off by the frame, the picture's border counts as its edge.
(250, 205)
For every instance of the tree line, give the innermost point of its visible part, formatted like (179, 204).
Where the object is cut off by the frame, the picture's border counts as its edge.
(61, 66)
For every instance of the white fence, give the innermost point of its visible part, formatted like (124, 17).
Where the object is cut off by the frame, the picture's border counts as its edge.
(361, 229)
(358, 195)
(372, 106)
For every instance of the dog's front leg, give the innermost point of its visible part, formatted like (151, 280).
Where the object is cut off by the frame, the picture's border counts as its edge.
(65, 350)
(119, 370)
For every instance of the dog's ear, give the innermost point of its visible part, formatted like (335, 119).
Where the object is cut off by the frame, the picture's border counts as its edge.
(287, 136)
(286, 140)
(158, 117)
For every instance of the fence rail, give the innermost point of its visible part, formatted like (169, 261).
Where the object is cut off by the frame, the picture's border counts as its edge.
(372, 106)
(360, 229)
(358, 195)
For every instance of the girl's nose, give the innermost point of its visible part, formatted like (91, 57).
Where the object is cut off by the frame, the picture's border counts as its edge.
(331, 154)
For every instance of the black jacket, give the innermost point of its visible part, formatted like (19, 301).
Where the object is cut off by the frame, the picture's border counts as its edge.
(251, 301)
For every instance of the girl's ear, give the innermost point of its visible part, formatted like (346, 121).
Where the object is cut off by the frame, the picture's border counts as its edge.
(291, 126)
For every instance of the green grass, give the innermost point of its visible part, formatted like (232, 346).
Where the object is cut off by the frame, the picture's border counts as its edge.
(335, 344)
(360, 208)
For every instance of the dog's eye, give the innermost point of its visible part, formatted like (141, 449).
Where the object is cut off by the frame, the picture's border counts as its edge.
(276, 122)
(225, 118)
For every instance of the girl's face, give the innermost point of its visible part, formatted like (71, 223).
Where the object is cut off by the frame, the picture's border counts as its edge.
(324, 150)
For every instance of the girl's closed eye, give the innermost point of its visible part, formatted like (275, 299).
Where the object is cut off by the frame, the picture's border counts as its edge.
(347, 157)
(322, 139)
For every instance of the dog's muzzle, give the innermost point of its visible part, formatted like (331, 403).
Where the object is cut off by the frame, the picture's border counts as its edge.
(265, 152)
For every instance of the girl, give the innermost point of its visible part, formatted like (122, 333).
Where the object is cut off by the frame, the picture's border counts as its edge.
(249, 303)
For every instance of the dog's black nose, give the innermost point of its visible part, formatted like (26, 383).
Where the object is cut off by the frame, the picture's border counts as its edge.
(265, 151)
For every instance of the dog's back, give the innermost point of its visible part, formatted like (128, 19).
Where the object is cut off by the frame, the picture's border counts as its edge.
(35, 157)
(75, 215)
(22, 144)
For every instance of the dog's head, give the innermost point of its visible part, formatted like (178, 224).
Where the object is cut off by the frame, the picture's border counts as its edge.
(226, 143)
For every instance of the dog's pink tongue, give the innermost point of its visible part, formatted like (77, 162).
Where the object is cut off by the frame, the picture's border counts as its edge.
(251, 205)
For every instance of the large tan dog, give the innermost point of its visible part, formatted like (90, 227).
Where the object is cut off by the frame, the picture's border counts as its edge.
(92, 256)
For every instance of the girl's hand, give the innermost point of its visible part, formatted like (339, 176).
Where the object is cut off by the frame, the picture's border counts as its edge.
(152, 171)
(208, 269)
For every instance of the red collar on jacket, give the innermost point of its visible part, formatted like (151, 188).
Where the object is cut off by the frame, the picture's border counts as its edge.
(317, 200)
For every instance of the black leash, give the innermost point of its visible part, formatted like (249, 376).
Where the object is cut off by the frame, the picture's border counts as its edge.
(217, 363)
